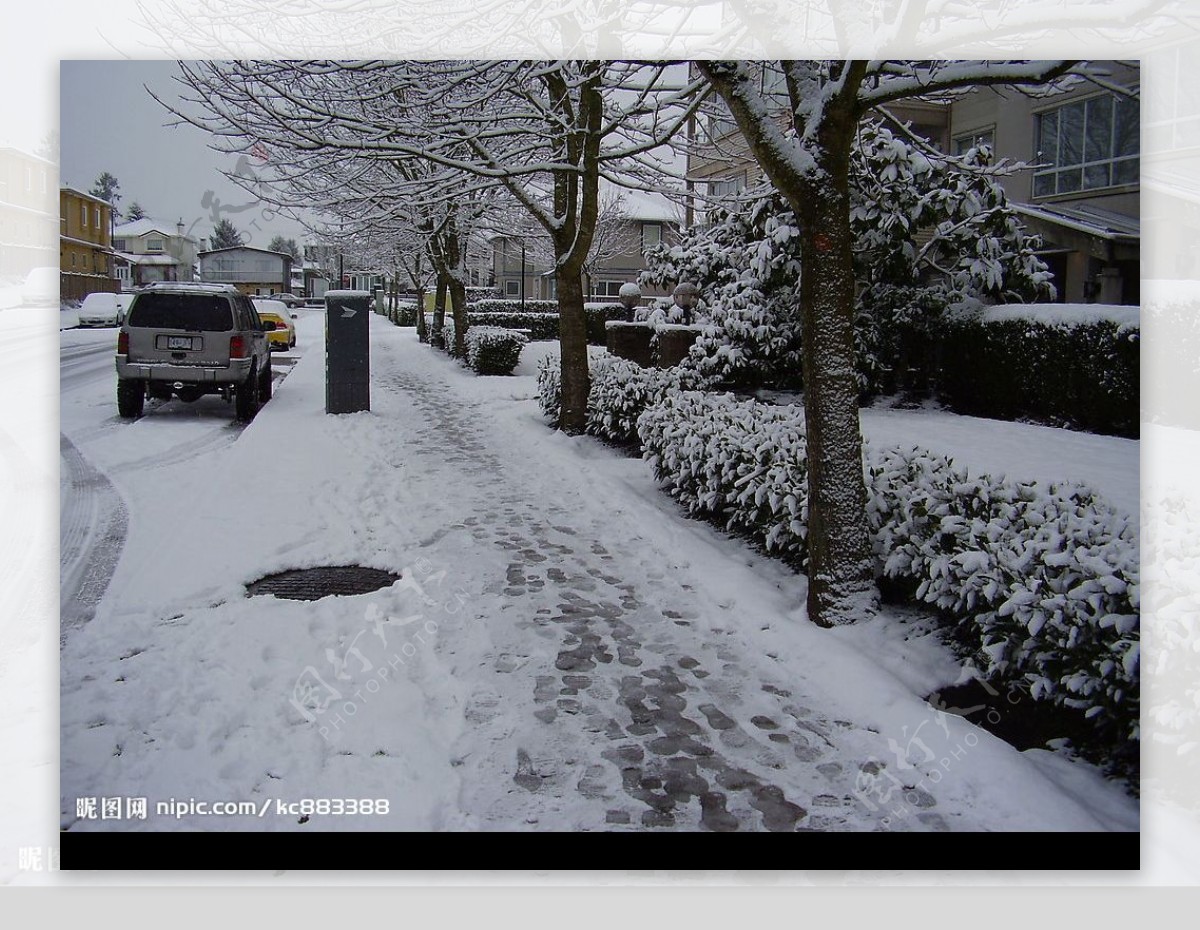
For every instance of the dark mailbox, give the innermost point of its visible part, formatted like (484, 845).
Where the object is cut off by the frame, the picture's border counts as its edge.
(347, 352)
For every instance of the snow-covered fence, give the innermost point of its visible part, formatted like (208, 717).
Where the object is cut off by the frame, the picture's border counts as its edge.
(493, 351)
(1041, 582)
(1065, 364)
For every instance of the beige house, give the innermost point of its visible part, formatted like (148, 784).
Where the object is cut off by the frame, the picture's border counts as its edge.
(1080, 191)
(152, 250)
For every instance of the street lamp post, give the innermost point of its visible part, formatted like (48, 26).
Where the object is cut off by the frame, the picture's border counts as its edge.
(522, 275)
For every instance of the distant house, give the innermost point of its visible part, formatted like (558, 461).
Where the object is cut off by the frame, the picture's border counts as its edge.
(85, 244)
(308, 279)
(152, 250)
(28, 226)
(621, 241)
(257, 272)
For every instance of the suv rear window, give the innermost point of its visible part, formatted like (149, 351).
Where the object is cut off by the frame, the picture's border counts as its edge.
(197, 312)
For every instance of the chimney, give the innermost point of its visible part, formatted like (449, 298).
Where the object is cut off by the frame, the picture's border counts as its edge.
(179, 227)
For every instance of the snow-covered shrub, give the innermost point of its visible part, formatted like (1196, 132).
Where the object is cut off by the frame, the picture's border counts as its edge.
(939, 226)
(1042, 584)
(448, 335)
(549, 384)
(1047, 578)
(512, 305)
(740, 463)
(493, 351)
(477, 293)
(1069, 365)
(405, 313)
(620, 390)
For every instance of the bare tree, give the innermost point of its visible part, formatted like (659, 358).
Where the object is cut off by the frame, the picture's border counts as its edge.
(546, 132)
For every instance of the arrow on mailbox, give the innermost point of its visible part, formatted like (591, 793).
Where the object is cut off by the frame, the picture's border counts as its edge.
(348, 312)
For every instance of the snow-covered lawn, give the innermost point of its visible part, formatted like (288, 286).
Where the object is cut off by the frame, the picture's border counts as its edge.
(565, 650)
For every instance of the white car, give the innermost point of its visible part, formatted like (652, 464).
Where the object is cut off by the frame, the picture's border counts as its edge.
(100, 309)
(40, 288)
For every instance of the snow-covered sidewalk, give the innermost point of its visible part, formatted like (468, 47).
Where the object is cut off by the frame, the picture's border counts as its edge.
(565, 650)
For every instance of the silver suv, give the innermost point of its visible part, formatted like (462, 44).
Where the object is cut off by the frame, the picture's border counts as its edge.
(190, 340)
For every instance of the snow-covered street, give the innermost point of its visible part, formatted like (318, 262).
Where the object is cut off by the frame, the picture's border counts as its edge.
(564, 651)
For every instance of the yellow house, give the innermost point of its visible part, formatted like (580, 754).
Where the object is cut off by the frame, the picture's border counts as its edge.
(85, 243)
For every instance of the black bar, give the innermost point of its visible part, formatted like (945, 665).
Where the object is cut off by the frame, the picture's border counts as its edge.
(335, 850)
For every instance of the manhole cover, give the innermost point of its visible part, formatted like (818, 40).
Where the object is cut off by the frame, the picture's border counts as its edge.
(311, 584)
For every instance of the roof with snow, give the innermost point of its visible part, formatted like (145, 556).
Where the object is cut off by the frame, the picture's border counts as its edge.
(644, 205)
(67, 189)
(1095, 221)
(246, 248)
(147, 225)
(134, 259)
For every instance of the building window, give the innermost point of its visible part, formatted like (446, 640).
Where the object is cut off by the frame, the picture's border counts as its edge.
(718, 121)
(512, 288)
(973, 140)
(28, 178)
(154, 245)
(120, 245)
(43, 180)
(72, 259)
(608, 289)
(651, 235)
(726, 186)
(773, 83)
(96, 216)
(83, 215)
(1087, 145)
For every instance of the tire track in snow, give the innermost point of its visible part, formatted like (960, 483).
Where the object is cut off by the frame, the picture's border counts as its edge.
(93, 525)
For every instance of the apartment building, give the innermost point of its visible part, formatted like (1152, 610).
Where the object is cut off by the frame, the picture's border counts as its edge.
(1079, 189)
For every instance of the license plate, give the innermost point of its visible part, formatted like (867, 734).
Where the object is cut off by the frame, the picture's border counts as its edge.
(179, 342)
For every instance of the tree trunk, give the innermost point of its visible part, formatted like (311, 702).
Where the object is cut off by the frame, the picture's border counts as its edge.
(458, 305)
(841, 585)
(422, 331)
(439, 313)
(572, 335)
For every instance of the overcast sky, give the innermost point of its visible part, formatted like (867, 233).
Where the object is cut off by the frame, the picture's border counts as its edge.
(108, 122)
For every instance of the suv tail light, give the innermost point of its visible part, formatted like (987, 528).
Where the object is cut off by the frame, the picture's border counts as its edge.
(123, 343)
(237, 346)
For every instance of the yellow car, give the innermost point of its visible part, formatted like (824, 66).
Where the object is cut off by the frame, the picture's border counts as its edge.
(284, 335)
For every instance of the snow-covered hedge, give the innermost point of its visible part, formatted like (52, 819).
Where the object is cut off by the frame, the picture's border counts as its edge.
(549, 387)
(512, 305)
(493, 351)
(1041, 583)
(1075, 365)
(478, 293)
(540, 325)
(618, 393)
(620, 390)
